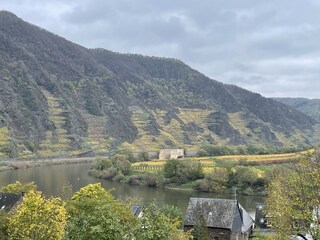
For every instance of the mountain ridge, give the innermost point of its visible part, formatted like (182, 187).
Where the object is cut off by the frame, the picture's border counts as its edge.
(310, 107)
(61, 98)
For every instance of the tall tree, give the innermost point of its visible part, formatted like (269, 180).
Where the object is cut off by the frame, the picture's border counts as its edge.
(38, 218)
(96, 214)
(294, 199)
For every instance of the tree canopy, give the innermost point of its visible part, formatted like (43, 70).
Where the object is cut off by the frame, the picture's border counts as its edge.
(38, 218)
(91, 213)
(96, 214)
(18, 187)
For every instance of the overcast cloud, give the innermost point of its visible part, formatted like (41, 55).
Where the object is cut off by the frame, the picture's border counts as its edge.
(270, 47)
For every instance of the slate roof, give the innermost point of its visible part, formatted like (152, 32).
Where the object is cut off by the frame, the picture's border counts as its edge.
(219, 213)
(8, 200)
(136, 209)
(247, 220)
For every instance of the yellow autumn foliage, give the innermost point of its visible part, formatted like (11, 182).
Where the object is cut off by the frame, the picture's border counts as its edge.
(38, 218)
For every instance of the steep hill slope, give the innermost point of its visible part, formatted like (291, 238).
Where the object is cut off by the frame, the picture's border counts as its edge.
(59, 98)
(310, 107)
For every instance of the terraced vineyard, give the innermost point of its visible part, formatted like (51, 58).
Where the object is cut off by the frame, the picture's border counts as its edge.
(96, 138)
(57, 141)
(174, 133)
(209, 163)
(145, 141)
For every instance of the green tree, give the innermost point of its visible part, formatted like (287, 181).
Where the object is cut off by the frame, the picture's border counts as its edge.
(96, 214)
(124, 166)
(246, 177)
(215, 181)
(200, 230)
(189, 170)
(101, 164)
(294, 199)
(38, 218)
(155, 224)
(170, 168)
(172, 212)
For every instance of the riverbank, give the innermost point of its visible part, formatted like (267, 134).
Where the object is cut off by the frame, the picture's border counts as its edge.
(19, 163)
(156, 180)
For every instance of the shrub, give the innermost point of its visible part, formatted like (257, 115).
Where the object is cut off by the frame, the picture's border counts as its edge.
(150, 179)
(136, 179)
(118, 177)
(201, 185)
(170, 168)
(108, 173)
(202, 153)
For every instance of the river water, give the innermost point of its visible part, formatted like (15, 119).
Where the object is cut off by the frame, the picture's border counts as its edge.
(50, 180)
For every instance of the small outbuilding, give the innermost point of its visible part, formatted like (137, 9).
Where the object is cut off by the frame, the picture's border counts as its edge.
(226, 219)
(166, 154)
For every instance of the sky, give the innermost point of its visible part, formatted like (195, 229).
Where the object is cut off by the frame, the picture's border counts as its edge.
(270, 47)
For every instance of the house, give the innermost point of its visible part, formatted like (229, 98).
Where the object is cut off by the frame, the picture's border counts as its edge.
(165, 154)
(137, 210)
(9, 200)
(226, 219)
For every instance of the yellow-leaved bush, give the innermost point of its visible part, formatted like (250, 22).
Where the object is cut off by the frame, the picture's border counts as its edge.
(38, 218)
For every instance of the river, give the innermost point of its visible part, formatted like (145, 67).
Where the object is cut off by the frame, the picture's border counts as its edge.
(50, 180)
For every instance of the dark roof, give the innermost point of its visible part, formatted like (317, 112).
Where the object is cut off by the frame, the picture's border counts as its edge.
(136, 209)
(219, 213)
(8, 200)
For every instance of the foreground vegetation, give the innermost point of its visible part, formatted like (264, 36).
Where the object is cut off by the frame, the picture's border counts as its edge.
(293, 201)
(90, 213)
(249, 173)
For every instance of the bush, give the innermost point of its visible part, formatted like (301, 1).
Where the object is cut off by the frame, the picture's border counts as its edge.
(150, 179)
(217, 150)
(247, 177)
(202, 153)
(180, 172)
(201, 185)
(118, 177)
(215, 181)
(102, 164)
(170, 168)
(108, 169)
(136, 179)
(124, 166)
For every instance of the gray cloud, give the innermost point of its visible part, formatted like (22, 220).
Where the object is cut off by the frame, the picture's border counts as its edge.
(270, 47)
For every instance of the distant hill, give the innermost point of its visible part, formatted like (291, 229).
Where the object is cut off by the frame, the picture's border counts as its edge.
(59, 98)
(310, 107)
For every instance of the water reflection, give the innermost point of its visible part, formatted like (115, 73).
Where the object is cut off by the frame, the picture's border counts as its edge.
(50, 180)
